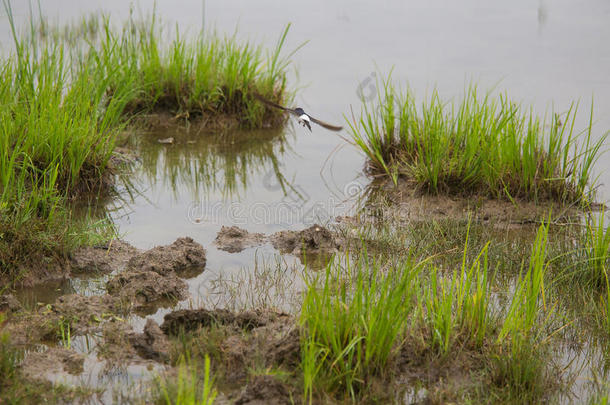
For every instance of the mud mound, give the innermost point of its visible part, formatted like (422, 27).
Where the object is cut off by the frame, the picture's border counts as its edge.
(264, 390)
(183, 256)
(102, 259)
(82, 312)
(193, 319)
(234, 239)
(145, 289)
(152, 343)
(41, 365)
(8, 303)
(315, 239)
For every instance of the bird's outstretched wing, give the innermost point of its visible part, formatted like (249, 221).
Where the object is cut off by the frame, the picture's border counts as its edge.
(326, 125)
(272, 104)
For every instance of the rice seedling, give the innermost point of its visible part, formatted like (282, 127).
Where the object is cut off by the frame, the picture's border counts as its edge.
(484, 144)
(353, 319)
(189, 388)
(458, 307)
(518, 366)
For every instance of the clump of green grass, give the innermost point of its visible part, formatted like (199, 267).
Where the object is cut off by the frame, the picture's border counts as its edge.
(483, 144)
(189, 387)
(56, 139)
(354, 319)
(517, 368)
(212, 78)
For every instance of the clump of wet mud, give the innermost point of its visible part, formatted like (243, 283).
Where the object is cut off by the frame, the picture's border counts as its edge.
(313, 241)
(185, 320)
(8, 303)
(242, 342)
(43, 365)
(104, 259)
(234, 239)
(183, 257)
(264, 390)
(316, 240)
(144, 291)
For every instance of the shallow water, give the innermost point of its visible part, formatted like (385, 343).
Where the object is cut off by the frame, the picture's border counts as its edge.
(541, 52)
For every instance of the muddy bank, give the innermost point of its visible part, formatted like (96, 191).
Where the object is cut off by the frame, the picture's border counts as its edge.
(405, 202)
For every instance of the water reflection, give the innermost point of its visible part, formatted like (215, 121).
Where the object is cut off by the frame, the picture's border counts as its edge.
(198, 163)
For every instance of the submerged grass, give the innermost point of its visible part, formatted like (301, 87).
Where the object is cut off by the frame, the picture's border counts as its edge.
(484, 144)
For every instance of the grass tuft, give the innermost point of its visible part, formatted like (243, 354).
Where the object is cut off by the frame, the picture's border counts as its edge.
(483, 144)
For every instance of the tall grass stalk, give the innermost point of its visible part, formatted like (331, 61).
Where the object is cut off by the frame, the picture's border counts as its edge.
(188, 389)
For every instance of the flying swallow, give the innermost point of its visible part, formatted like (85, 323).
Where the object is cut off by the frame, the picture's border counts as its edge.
(302, 117)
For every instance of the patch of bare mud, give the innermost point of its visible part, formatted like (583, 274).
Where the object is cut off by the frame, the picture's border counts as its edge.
(185, 257)
(243, 341)
(144, 291)
(404, 202)
(8, 303)
(315, 239)
(234, 239)
(55, 360)
(192, 319)
(105, 259)
(152, 343)
(264, 390)
(76, 314)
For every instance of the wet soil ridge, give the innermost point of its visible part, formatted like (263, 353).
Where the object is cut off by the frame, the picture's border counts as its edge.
(485, 145)
(110, 257)
(151, 278)
(183, 256)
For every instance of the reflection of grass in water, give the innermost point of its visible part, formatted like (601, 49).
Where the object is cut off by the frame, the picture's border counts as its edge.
(211, 162)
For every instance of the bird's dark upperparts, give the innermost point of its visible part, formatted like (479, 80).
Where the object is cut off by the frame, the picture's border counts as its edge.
(302, 117)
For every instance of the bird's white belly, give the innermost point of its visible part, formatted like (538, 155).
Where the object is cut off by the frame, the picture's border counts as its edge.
(303, 117)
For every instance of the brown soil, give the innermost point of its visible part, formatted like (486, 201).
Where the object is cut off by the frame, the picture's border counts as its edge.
(405, 202)
(264, 390)
(234, 239)
(152, 343)
(105, 259)
(184, 257)
(243, 342)
(8, 303)
(42, 365)
(315, 239)
(185, 320)
(144, 291)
